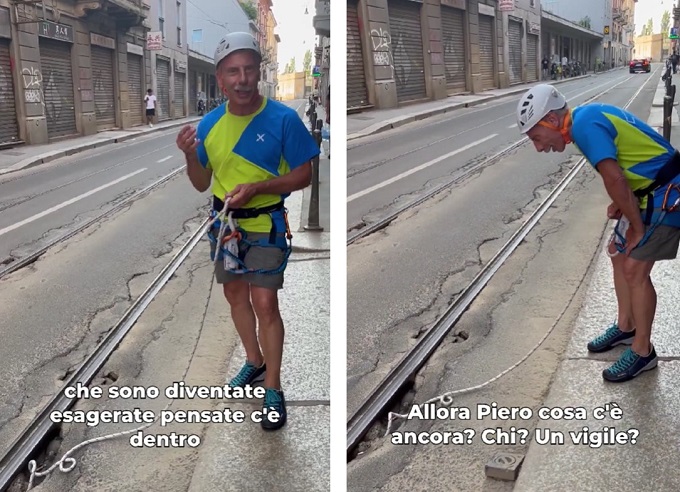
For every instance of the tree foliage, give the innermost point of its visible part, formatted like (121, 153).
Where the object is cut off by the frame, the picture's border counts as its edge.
(665, 22)
(648, 28)
(290, 66)
(307, 62)
(585, 22)
(249, 8)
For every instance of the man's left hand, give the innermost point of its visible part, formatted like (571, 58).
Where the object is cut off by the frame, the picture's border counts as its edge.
(633, 238)
(241, 195)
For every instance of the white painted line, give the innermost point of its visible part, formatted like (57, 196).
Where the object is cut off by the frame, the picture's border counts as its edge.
(514, 125)
(164, 159)
(67, 203)
(418, 168)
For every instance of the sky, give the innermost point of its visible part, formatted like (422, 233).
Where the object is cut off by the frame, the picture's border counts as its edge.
(654, 9)
(295, 30)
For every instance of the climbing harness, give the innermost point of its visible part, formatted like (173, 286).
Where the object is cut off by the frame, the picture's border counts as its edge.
(230, 243)
(653, 217)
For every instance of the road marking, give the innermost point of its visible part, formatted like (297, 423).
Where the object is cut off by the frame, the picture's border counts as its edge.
(67, 203)
(164, 159)
(418, 168)
(514, 125)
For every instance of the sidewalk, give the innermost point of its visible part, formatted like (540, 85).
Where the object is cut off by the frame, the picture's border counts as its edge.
(25, 156)
(650, 403)
(375, 121)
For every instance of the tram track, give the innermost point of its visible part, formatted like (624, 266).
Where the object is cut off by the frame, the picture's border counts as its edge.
(473, 167)
(386, 393)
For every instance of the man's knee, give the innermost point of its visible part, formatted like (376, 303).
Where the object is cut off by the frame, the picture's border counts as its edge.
(265, 304)
(237, 292)
(636, 272)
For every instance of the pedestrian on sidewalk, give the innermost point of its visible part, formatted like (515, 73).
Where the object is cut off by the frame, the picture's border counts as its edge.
(545, 64)
(641, 173)
(256, 152)
(150, 101)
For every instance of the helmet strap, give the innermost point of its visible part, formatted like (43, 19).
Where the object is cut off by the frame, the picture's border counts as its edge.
(565, 131)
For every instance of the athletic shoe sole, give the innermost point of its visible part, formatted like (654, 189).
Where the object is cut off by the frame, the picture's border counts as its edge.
(652, 364)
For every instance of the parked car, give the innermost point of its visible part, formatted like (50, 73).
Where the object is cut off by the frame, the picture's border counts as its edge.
(643, 65)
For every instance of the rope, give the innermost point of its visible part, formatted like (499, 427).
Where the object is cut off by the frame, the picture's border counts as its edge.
(66, 464)
(446, 399)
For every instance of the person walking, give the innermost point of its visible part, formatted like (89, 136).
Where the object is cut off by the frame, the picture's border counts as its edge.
(150, 100)
(254, 152)
(641, 174)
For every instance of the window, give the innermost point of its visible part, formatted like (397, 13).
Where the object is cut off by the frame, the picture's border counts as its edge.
(532, 3)
(197, 36)
(161, 18)
(179, 36)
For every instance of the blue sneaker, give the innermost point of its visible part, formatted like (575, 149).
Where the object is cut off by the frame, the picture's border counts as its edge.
(273, 402)
(610, 339)
(248, 375)
(630, 365)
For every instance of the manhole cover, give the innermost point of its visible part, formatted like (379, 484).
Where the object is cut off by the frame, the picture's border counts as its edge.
(504, 466)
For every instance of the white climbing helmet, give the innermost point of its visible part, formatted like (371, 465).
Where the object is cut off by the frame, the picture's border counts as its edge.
(536, 103)
(235, 41)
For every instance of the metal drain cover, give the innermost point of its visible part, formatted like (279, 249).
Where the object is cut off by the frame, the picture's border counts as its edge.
(504, 466)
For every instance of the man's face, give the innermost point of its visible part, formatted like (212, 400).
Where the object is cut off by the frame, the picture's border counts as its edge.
(238, 75)
(545, 139)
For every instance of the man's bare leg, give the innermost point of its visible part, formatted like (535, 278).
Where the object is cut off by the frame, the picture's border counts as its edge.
(266, 305)
(625, 311)
(237, 293)
(643, 301)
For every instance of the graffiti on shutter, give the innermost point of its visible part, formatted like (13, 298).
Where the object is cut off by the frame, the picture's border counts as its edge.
(532, 58)
(57, 83)
(163, 96)
(179, 95)
(453, 35)
(102, 83)
(407, 50)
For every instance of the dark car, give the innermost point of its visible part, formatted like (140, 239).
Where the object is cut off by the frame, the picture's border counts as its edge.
(644, 65)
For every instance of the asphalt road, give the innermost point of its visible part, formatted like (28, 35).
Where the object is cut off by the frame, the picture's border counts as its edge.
(401, 279)
(55, 311)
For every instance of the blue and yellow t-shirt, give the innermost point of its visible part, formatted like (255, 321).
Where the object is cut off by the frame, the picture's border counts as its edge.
(247, 149)
(601, 131)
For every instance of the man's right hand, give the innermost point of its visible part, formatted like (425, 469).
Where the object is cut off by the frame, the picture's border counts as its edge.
(187, 141)
(613, 212)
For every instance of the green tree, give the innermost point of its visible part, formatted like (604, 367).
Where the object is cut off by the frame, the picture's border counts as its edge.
(649, 28)
(249, 9)
(290, 68)
(665, 22)
(307, 62)
(585, 22)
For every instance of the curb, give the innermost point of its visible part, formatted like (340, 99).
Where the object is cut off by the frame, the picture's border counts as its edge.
(403, 120)
(56, 154)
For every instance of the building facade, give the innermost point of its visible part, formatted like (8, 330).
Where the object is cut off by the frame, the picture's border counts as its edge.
(169, 60)
(207, 22)
(322, 51)
(75, 70)
(655, 46)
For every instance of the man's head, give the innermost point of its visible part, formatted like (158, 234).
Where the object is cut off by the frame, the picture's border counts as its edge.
(543, 115)
(237, 62)
(149, 91)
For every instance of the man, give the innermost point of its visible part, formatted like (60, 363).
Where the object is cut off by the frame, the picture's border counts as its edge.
(256, 152)
(565, 62)
(638, 168)
(545, 64)
(150, 100)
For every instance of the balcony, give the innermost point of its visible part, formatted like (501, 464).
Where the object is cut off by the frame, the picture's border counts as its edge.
(322, 19)
(126, 13)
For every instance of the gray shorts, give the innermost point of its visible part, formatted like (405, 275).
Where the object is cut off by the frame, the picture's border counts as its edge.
(661, 245)
(257, 257)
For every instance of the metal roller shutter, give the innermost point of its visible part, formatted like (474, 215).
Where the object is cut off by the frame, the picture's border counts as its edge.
(163, 95)
(9, 131)
(193, 93)
(357, 95)
(102, 83)
(135, 92)
(515, 49)
(532, 58)
(60, 112)
(407, 50)
(453, 33)
(486, 63)
(179, 95)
